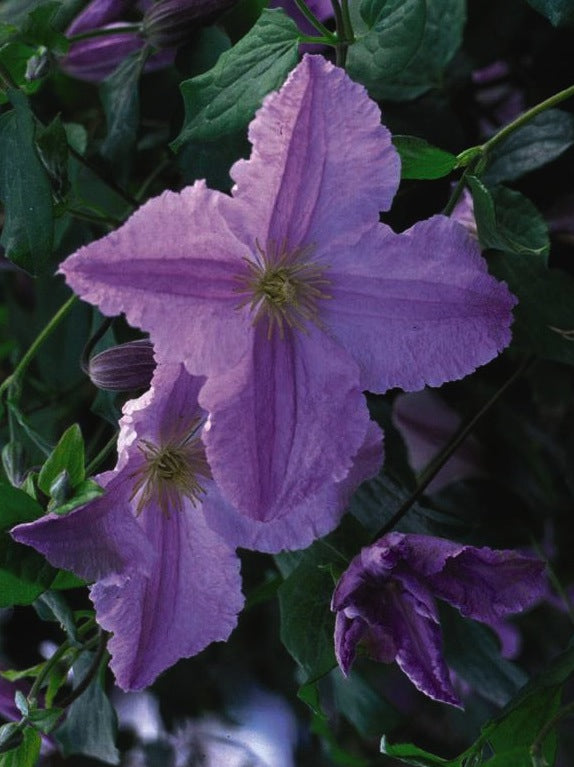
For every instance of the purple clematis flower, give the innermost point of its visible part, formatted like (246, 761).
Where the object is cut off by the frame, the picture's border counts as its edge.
(292, 298)
(386, 599)
(165, 584)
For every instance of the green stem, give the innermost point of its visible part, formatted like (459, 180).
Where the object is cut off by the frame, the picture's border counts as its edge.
(314, 21)
(46, 671)
(47, 331)
(105, 32)
(458, 190)
(90, 674)
(437, 463)
(526, 116)
(341, 47)
(104, 452)
(347, 23)
(316, 40)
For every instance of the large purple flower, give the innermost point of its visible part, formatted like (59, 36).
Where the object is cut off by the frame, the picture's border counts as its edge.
(165, 584)
(385, 599)
(292, 298)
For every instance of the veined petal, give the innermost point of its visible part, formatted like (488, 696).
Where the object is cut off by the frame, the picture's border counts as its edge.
(284, 423)
(318, 135)
(171, 268)
(420, 648)
(99, 540)
(348, 634)
(190, 599)
(418, 307)
(488, 585)
(313, 518)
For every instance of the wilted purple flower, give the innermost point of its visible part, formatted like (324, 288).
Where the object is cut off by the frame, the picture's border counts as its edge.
(165, 584)
(292, 299)
(123, 367)
(426, 424)
(386, 599)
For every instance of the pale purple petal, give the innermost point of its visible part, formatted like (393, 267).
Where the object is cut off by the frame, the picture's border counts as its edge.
(285, 423)
(319, 172)
(313, 518)
(94, 541)
(171, 268)
(191, 599)
(426, 423)
(418, 307)
(488, 585)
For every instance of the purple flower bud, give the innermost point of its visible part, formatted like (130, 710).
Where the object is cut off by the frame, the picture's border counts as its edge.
(124, 367)
(168, 23)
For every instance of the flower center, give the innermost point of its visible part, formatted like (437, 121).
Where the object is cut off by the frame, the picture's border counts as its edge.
(283, 287)
(171, 473)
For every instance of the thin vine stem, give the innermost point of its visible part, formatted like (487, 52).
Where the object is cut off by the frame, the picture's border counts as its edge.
(46, 671)
(102, 455)
(33, 349)
(90, 673)
(462, 433)
(315, 22)
(525, 117)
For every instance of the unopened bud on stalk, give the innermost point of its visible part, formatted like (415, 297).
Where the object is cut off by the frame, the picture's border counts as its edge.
(168, 23)
(124, 367)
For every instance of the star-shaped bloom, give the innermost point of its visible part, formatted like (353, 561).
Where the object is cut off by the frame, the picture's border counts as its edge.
(386, 600)
(165, 584)
(291, 298)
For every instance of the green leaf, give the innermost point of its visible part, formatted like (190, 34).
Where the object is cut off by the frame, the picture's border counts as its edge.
(541, 140)
(26, 754)
(68, 456)
(120, 98)
(24, 574)
(90, 725)
(388, 34)
(25, 190)
(307, 624)
(27, 673)
(406, 752)
(421, 160)
(15, 56)
(507, 220)
(52, 145)
(378, 499)
(15, 11)
(224, 99)
(85, 492)
(51, 606)
(39, 29)
(558, 12)
(472, 650)
(45, 719)
(440, 40)
(544, 316)
(362, 705)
